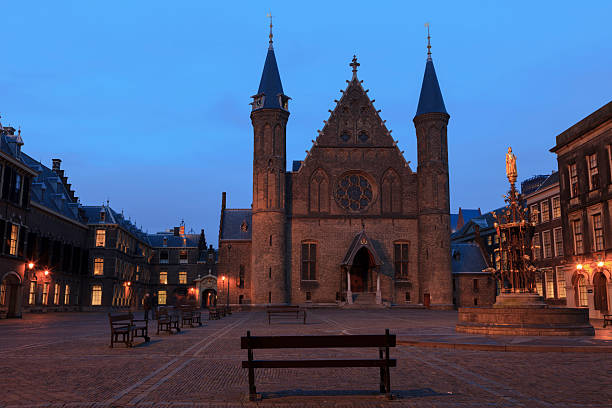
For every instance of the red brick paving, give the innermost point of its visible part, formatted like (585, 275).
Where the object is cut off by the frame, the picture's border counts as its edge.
(63, 360)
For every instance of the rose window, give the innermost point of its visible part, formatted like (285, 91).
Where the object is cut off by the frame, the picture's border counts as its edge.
(354, 192)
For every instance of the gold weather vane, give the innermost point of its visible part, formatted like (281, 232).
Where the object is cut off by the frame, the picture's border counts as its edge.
(428, 42)
(269, 15)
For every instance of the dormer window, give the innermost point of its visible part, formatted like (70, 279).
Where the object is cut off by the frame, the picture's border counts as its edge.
(165, 241)
(102, 216)
(283, 101)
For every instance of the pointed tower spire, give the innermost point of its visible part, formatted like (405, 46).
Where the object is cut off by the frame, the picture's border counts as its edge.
(431, 97)
(270, 94)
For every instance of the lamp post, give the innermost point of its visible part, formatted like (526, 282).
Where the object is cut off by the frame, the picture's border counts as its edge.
(228, 290)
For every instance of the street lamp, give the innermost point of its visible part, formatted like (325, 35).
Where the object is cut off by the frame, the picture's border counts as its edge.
(227, 300)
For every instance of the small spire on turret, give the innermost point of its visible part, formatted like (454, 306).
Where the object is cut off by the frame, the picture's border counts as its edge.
(271, 35)
(428, 43)
(354, 64)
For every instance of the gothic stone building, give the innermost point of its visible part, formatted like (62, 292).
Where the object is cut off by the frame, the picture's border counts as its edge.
(352, 221)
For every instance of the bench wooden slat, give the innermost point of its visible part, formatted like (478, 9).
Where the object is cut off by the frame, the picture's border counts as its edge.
(358, 340)
(318, 363)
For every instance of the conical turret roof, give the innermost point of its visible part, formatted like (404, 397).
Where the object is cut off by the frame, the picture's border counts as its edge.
(270, 85)
(431, 97)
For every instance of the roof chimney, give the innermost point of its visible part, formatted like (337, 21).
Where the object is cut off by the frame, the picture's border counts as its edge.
(56, 164)
(223, 201)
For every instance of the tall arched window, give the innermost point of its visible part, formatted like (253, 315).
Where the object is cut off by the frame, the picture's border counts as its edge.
(319, 192)
(580, 291)
(391, 199)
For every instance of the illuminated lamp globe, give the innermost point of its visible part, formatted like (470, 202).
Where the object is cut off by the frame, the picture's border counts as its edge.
(579, 267)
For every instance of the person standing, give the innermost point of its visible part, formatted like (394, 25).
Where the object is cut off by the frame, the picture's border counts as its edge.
(147, 304)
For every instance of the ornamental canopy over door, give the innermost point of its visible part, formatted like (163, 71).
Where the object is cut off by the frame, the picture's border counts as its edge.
(361, 240)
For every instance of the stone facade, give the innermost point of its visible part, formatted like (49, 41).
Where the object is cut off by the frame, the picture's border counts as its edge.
(584, 156)
(352, 218)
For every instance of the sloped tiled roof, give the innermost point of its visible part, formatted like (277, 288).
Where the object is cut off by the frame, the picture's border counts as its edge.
(232, 224)
(430, 99)
(93, 216)
(174, 241)
(467, 258)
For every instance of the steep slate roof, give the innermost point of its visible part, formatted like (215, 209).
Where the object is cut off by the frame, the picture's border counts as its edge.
(545, 183)
(431, 96)
(92, 215)
(48, 190)
(231, 224)
(467, 258)
(484, 221)
(173, 241)
(270, 84)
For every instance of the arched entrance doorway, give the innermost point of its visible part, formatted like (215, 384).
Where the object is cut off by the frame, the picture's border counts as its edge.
(209, 298)
(600, 292)
(361, 279)
(10, 295)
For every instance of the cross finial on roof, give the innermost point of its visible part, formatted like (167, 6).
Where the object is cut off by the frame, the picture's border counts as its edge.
(354, 64)
(271, 35)
(428, 42)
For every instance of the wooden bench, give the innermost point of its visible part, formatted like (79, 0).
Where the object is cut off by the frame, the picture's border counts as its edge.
(284, 311)
(213, 313)
(128, 328)
(167, 320)
(190, 315)
(382, 342)
(607, 320)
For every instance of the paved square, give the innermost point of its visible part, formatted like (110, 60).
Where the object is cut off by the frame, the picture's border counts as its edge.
(64, 360)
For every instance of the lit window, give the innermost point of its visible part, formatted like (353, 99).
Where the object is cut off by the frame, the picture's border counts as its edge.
(573, 174)
(163, 278)
(535, 246)
(32, 297)
(100, 238)
(556, 207)
(593, 171)
(538, 282)
(56, 294)
(45, 294)
(546, 244)
(183, 278)
(550, 283)
(545, 210)
(490, 240)
(598, 239)
(582, 292)
(401, 259)
(3, 294)
(309, 261)
(98, 266)
(13, 239)
(577, 237)
(96, 295)
(533, 214)
(183, 257)
(560, 285)
(161, 297)
(67, 295)
(558, 237)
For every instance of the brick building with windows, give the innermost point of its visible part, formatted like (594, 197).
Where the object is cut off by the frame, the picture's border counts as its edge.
(584, 157)
(541, 197)
(350, 222)
(58, 255)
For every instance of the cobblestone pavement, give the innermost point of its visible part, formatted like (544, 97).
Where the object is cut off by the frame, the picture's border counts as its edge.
(64, 360)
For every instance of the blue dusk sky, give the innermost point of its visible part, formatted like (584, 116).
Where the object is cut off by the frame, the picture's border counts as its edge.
(147, 102)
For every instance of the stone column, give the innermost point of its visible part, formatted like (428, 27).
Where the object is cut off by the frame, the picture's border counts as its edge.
(349, 294)
(378, 295)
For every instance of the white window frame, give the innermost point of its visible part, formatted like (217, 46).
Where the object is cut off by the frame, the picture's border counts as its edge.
(545, 213)
(536, 242)
(163, 278)
(596, 248)
(546, 245)
(558, 233)
(560, 280)
(14, 239)
(578, 222)
(162, 297)
(183, 274)
(593, 169)
(556, 199)
(534, 213)
(100, 238)
(98, 267)
(549, 281)
(572, 170)
(96, 295)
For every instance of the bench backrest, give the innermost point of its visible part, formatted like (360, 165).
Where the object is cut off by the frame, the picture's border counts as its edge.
(120, 318)
(279, 342)
(287, 307)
